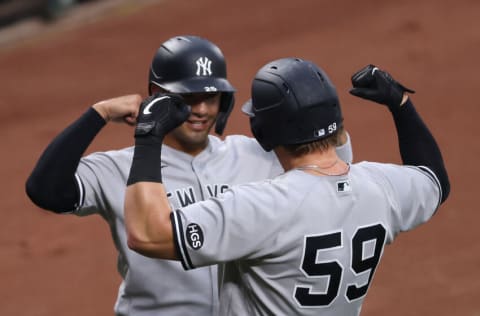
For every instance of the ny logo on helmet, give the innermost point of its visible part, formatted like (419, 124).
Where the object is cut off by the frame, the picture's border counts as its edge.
(203, 66)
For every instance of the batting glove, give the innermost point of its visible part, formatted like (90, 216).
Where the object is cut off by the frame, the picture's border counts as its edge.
(377, 85)
(158, 115)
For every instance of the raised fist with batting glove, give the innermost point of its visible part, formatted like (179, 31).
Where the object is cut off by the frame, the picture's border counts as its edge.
(377, 85)
(158, 115)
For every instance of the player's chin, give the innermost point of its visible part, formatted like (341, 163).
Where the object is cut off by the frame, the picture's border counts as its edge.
(195, 135)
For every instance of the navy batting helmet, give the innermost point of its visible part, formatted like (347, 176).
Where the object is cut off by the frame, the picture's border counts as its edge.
(293, 102)
(191, 64)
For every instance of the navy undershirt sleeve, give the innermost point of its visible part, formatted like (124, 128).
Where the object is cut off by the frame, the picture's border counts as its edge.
(52, 185)
(417, 145)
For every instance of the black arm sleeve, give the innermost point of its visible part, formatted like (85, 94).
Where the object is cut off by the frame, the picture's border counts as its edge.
(417, 145)
(52, 185)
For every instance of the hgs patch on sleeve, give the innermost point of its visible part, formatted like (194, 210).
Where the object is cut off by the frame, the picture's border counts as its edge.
(194, 235)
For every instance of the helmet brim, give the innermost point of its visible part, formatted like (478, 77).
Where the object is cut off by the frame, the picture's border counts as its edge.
(197, 85)
(247, 108)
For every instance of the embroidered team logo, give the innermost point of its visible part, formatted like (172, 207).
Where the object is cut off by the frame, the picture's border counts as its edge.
(204, 67)
(194, 236)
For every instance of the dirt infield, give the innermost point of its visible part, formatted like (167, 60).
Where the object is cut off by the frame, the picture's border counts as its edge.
(63, 265)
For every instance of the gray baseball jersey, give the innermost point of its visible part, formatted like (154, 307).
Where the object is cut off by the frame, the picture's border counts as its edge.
(153, 286)
(302, 244)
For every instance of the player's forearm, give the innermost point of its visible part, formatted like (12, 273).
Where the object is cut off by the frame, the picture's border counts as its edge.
(418, 146)
(147, 220)
(147, 210)
(52, 184)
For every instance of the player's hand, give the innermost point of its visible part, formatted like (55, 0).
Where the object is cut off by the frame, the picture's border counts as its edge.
(159, 114)
(120, 109)
(377, 85)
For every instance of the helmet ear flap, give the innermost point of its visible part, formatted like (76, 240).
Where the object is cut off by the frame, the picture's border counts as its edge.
(256, 128)
(226, 105)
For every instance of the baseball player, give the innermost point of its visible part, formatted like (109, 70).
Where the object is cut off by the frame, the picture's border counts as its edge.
(308, 241)
(195, 166)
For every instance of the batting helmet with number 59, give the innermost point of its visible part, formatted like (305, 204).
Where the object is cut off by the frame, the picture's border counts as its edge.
(293, 102)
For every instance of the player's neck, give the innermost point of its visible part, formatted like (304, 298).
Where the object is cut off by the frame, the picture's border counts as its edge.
(319, 163)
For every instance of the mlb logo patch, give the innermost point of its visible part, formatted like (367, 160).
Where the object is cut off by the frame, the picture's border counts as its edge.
(319, 133)
(343, 186)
